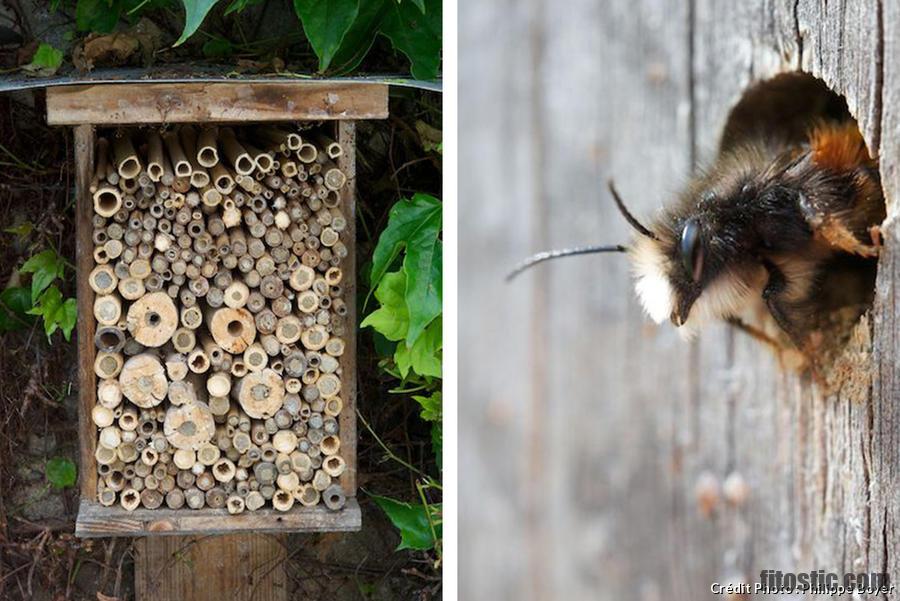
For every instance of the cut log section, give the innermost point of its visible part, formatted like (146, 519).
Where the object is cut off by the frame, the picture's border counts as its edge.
(152, 319)
(232, 329)
(189, 426)
(143, 380)
(261, 394)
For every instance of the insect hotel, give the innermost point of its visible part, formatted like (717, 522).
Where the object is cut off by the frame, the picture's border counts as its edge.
(216, 304)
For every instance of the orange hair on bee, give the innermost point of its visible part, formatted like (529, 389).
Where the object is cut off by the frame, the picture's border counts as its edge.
(838, 146)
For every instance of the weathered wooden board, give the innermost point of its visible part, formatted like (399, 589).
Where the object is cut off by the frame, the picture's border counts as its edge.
(129, 104)
(584, 451)
(96, 520)
(211, 568)
(86, 326)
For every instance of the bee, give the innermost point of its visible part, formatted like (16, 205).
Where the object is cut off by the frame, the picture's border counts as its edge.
(781, 228)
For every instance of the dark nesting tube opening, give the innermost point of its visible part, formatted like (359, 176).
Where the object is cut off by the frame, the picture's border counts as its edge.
(786, 109)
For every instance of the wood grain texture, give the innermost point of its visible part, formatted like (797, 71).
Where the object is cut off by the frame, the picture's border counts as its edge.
(84, 263)
(135, 103)
(346, 137)
(248, 567)
(95, 520)
(604, 424)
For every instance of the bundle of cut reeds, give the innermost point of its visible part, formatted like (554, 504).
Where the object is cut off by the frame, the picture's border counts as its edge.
(220, 318)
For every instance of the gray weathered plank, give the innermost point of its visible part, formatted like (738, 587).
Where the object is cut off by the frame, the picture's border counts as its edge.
(96, 520)
(583, 478)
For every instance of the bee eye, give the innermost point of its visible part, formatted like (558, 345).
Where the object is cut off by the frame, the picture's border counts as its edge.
(691, 249)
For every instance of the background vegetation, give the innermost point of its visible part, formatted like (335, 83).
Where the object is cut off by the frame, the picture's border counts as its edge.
(398, 553)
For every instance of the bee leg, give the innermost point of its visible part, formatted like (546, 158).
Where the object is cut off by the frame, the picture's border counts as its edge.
(772, 295)
(754, 332)
(834, 231)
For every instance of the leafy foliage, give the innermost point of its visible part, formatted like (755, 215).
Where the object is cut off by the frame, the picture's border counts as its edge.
(14, 305)
(56, 311)
(419, 524)
(46, 60)
(46, 300)
(45, 267)
(194, 13)
(408, 292)
(325, 23)
(339, 32)
(61, 472)
(414, 225)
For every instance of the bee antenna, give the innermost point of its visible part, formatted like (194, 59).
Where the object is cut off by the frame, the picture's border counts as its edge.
(627, 215)
(563, 252)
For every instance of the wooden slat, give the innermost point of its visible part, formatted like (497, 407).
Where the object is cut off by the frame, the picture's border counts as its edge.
(346, 136)
(84, 260)
(95, 520)
(135, 103)
(246, 567)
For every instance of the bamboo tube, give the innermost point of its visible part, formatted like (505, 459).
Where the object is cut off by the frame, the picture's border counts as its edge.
(107, 309)
(128, 165)
(107, 201)
(335, 179)
(222, 179)
(100, 163)
(109, 339)
(143, 380)
(108, 365)
(334, 497)
(176, 363)
(131, 288)
(103, 280)
(198, 362)
(155, 156)
(207, 152)
(307, 153)
(109, 393)
(180, 162)
(236, 154)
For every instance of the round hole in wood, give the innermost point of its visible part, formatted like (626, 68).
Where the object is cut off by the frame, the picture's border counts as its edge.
(235, 328)
(791, 111)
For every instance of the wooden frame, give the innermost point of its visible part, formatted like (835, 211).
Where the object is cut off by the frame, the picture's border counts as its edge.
(64, 108)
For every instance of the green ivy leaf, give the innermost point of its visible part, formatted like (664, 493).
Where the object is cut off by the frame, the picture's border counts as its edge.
(14, 305)
(420, 4)
(194, 13)
(46, 61)
(217, 48)
(61, 472)
(414, 224)
(325, 23)
(412, 522)
(392, 318)
(100, 16)
(431, 406)
(17, 299)
(416, 35)
(423, 357)
(423, 266)
(359, 38)
(45, 267)
(68, 318)
(56, 312)
(21, 230)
